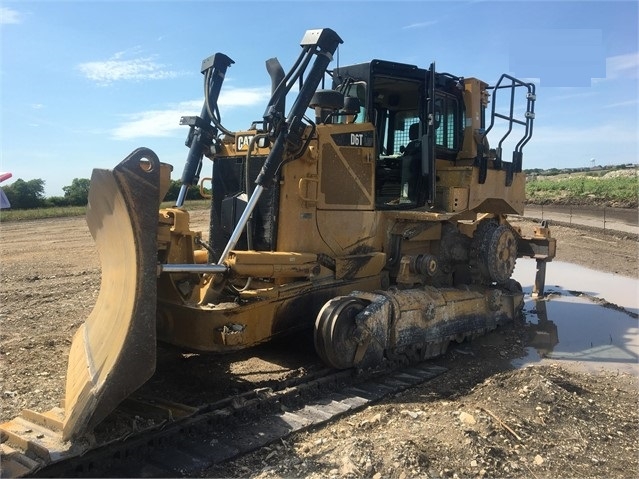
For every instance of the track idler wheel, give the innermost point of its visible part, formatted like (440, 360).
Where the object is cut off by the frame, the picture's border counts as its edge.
(337, 337)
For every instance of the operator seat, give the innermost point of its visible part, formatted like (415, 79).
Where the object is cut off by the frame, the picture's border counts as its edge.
(412, 161)
(414, 140)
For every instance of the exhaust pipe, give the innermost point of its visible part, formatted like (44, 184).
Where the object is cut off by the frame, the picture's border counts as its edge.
(276, 72)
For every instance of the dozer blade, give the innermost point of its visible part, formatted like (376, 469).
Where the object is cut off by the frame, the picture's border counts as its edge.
(113, 352)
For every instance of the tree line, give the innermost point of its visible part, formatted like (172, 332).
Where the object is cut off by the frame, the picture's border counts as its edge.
(30, 194)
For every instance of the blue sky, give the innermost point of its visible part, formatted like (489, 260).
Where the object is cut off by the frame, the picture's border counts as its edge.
(83, 83)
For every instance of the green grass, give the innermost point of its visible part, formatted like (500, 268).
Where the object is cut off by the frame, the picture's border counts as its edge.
(580, 189)
(41, 213)
(69, 211)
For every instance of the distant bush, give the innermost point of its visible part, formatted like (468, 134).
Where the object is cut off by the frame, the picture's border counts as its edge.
(54, 201)
(77, 193)
(25, 194)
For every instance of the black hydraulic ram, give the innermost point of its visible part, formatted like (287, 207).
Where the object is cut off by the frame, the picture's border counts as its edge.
(202, 134)
(322, 43)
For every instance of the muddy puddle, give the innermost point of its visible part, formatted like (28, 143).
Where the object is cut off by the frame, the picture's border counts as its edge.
(587, 319)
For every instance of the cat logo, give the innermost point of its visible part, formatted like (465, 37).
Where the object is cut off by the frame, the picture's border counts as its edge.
(243, 141)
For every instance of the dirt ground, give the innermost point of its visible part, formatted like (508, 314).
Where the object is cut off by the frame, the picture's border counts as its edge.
(482, 418)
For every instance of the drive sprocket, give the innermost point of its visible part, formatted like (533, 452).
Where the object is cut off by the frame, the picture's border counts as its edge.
(494, 253)
(501, 254)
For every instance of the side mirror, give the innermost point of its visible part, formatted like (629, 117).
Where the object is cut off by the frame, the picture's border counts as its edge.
(352, 105)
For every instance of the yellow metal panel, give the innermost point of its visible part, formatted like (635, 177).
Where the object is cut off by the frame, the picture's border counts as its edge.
(359, 266)
(424, 230)
(297, 227)
(493, 196)
(452, 199)
(451, 176)
(265, 264)
(458, 185)
(347, 171)
(272, 257)
(344, 231)
(228, 326)
(308, 189)
(475, 97)
(347, 185)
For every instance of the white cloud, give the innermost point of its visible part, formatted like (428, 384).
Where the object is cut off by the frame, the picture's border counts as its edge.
(429, 23)
(622, 104)
(9, 15)
(155, 123)
(116, 69)
(623, 66)
(164, 123)
(232, 97)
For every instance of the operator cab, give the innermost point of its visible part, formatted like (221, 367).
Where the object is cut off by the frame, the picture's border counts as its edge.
(394, 98)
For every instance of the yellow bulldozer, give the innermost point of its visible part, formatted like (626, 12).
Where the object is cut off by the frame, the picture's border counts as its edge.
(373, 213)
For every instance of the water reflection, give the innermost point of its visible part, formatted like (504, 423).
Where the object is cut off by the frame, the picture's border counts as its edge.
(542, 335)
(587, 319)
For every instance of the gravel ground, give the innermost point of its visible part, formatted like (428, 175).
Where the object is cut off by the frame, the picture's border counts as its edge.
(480, 419)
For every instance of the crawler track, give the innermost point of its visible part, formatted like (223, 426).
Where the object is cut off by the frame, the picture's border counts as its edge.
(182, 441)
